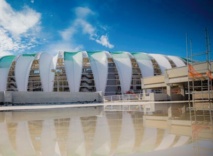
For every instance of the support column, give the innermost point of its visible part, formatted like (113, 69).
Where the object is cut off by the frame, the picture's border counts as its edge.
(168, 91)
(144, 109)
(170, 112)
(144, 92)
(181, 89)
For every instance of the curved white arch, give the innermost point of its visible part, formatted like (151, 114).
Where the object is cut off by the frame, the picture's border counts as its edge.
(3, 78)
(38, 55)
(23, 140)
(129, 54)
(6, 147)
(73, 63)
(145, 64)
(102, 138)
(166, 142)
(108, 54)
(85, 55)
(162, 62)
(127, 137)
(99, 65)
(124, 67)
(48, 139)
(22, 70)
(46, 75)
(149, 139)
(182, 140)
(4, 70)
(177, 61)
(55, 60)
(76, 141)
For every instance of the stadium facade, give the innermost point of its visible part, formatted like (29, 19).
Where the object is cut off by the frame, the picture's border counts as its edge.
(110, 73)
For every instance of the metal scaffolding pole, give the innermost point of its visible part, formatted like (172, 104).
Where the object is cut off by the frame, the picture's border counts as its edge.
(200, 87)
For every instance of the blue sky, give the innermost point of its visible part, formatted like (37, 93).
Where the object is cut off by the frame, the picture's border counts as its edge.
(152, 26)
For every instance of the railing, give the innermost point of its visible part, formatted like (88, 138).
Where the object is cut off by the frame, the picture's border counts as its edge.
(128, 102)
(123, 97)
(137, 97)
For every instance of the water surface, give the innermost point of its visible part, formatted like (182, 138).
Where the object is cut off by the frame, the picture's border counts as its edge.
(93, 132)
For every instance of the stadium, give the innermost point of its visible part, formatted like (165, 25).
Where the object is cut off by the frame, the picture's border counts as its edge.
(109, 72)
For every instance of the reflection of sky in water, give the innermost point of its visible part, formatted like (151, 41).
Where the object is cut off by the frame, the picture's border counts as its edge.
(89, 131)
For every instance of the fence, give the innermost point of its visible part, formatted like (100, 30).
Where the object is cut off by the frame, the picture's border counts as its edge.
(123, 97)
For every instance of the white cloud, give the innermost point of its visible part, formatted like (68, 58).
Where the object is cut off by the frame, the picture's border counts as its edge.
(87, 28)
(5, 53)
(18, 29)
(83, 12)
(81, 24)
(6, 43)
(105, 41)
(17, 22)
(68, 33)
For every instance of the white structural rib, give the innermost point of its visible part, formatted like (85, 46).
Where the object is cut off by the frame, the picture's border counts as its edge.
(73, 66)
(4, 70)
(127, 137)
(49, 146)
(99, 65)
(167, 141)
(145, 64)
(46, 75)
(102, 140)
(3, 78)
(124, 67)
(76, 140)
(6, 147)
(22, 70)
(149, 139)
(162, 62)
(182, 140)
(177, 61)
(23, 140)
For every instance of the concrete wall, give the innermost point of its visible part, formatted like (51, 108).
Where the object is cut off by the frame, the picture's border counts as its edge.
(1, 97)
(177, 72)
(201, 67)
(7, 97)
(177, 97)
(53, 97)
(162, 97)
(154, 80)
(161, 108)
(158, 97)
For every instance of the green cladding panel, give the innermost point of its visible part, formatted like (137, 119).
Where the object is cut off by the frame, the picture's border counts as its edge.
(29, 55)
(68, 56)
(141, 56)
(90, 53)
(187, 60)
(118, 54)
(6, 61)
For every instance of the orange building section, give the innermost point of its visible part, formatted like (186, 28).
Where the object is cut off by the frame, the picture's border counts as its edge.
(193, 73)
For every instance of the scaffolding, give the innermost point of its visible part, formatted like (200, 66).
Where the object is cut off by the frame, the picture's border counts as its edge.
(200, 91)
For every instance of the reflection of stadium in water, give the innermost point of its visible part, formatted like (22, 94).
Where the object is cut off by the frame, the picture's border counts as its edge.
(84, 131)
